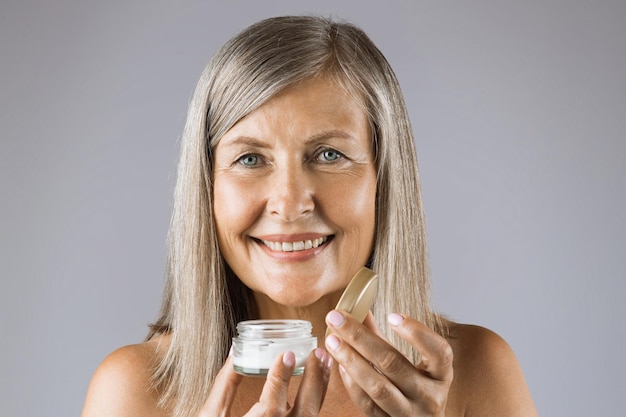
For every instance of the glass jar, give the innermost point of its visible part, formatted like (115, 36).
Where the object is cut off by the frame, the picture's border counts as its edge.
(259, 342)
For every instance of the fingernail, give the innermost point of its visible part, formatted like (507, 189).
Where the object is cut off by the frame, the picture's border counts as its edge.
(395, 319)
(289, 359)
(320, 354)
(332, 342)
(334, 318)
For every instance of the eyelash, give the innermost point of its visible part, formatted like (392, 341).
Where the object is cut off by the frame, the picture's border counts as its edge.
(316, 157)
(324, 150)
(243, 157)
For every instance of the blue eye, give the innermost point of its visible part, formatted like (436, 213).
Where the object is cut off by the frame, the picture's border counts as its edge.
(330, 155)
(249, 160)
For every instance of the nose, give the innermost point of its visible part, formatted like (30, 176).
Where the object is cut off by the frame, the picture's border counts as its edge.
(290, 194)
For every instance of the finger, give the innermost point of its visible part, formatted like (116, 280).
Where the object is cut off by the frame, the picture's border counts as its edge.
(222, 392)
(355, 348)
(400, 387)
(436, 353)
(378, 354)
(371, 324)
(314, 382)
(273, 400)
(358, 396)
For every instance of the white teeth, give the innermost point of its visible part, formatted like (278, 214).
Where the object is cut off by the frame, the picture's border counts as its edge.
(295, 246)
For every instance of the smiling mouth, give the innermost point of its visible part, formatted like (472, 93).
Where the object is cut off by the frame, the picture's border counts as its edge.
(295, 246)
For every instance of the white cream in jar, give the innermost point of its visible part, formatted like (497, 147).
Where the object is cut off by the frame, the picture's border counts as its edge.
(259, 342)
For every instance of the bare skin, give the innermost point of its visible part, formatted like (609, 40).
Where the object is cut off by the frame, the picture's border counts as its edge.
(294, 186)
(486, 381)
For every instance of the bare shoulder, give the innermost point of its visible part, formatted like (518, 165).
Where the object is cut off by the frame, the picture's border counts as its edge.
(488, 379)
(122, 384)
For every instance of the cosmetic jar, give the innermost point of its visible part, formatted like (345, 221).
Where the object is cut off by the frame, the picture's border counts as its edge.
(259, 342)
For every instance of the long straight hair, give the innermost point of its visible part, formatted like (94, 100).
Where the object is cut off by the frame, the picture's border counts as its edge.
(203, 299)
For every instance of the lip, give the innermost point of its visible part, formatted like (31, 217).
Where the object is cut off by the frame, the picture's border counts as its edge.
(304, 242)
(292, 237)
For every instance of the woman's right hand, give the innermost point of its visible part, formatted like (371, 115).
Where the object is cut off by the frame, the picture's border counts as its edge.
(273, 400)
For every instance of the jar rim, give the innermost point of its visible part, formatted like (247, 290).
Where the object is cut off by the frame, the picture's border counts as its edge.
(273, 328)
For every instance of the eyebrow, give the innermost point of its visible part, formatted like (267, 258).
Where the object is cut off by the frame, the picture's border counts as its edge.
(253, 142)
(246, 140)
(330, 134)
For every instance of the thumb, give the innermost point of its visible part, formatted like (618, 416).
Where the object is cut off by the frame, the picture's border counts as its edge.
(273, 400)
(277, 383)
(222, 392)
(370, 323)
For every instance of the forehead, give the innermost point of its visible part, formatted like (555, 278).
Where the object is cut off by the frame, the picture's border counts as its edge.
(317, 103)
(323, 89)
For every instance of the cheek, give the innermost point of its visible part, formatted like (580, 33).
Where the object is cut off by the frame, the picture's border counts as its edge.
(367, 218)
(354, 206)
(233, 205)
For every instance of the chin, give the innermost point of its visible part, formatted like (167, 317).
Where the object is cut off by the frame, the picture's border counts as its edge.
(295, 301)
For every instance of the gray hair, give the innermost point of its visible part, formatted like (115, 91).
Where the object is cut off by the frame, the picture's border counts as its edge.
(203, 299)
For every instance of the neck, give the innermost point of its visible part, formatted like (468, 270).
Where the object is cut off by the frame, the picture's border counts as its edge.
(315, 313)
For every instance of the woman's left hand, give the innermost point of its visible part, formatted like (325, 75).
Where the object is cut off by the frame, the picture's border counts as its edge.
(379, 379)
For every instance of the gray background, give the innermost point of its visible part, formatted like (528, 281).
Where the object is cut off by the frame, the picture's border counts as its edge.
(519, 110)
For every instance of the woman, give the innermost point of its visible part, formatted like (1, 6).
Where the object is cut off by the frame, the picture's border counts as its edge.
(298, 168)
